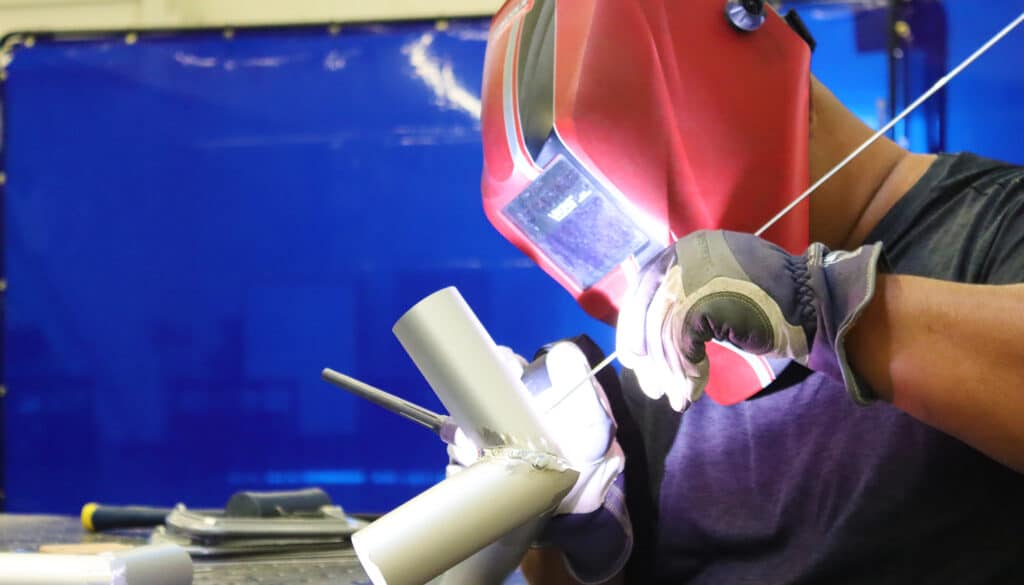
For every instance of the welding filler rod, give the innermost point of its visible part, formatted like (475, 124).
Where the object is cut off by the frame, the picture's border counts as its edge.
(860, 149)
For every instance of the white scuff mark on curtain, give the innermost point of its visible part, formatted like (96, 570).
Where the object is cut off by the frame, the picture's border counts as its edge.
(439, 76)
(190, 60)
(337, 60)
(269, 62)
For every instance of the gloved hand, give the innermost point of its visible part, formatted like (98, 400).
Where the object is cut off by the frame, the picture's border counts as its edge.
(590, 525)
(737, 288)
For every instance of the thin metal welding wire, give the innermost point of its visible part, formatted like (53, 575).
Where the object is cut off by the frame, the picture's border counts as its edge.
(924, 97)
(604, 363)
(842, 164)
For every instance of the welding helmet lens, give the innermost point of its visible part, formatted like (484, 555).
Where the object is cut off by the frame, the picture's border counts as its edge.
(580, 226)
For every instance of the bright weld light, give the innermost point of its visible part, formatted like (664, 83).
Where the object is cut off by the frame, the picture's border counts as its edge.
(566, 366)
(584, 382)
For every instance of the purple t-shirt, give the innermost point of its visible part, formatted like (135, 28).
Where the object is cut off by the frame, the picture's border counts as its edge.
(803, 486)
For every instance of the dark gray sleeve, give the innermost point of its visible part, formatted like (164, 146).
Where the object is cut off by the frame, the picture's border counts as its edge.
(1006, 256)
(963, 222)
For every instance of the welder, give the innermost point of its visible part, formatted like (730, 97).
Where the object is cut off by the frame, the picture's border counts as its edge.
(840, 400)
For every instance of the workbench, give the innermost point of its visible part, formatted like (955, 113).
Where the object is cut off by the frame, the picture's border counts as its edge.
(25, 533)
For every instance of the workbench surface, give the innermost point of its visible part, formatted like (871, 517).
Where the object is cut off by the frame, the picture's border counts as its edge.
(27, 533)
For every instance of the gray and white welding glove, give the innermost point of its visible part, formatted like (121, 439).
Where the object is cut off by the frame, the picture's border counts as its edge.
(740, 289)
(590, 525)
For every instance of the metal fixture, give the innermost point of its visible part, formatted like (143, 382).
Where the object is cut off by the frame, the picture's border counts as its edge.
(745, 15)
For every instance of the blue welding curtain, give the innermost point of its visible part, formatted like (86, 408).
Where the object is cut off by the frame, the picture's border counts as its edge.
(196, 226)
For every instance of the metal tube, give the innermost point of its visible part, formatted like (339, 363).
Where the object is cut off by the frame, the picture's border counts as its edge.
(449, 522)
(493, 564)
(145, 565)
(520, 479)
(461, 363)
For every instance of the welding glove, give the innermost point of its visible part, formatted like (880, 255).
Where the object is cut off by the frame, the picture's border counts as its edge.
(737, 288)
(590, 525)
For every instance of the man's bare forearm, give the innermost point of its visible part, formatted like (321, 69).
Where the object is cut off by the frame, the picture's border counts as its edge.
(950, 355)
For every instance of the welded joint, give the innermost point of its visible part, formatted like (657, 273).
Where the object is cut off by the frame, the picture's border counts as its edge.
(539, 460)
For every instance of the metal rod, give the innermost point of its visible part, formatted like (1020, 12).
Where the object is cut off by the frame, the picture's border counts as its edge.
(906, 112)
(842, 164)
(400, 406)
(604, 363)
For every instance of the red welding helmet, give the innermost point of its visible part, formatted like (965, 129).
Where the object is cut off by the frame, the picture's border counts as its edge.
(613, 127)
